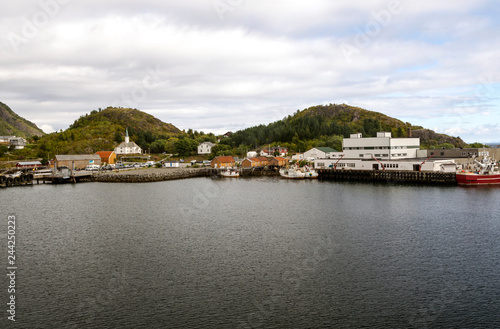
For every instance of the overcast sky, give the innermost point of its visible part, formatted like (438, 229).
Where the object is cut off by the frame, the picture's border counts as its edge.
(224, 65)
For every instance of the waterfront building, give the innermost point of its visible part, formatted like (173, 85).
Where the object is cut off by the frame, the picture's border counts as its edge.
(251, 162)
(108, 157)
(298, 156)
(205, 148)
(463, 154)
(127, 147)
(171, 164)
(278, 162)
(28, 164)
(77, 161)
(382, 147)
(383, 153)
(318, 153)
(223, 162)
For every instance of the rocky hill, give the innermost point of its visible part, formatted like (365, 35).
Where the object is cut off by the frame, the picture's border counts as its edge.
(326, 125)
(104, 130)
(12, 124)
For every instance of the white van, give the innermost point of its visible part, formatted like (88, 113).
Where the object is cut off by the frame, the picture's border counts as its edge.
(92, 167)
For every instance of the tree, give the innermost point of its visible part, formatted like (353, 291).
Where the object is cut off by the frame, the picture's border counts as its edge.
(3, 150)
(159, 146)
(118, 137)
(477, 145)
(185, 146)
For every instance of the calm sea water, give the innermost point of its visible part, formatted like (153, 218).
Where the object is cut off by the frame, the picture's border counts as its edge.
(254, 253)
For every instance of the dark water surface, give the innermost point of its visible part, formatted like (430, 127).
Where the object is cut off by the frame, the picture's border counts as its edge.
(253, 253)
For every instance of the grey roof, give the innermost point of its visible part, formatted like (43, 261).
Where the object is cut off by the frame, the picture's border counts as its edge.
(209, 143)
(129, 144)
(29, 163)
(77, 157)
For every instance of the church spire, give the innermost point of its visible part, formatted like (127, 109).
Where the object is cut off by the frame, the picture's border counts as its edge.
(127, 139)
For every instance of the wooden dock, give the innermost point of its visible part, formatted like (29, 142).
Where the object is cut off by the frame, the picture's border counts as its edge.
(414, 177)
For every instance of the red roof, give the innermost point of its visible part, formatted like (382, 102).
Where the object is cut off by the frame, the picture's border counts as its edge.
(104, 154)
(225, 159)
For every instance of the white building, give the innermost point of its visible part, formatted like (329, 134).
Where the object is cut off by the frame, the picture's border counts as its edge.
(128, 147)
(18, 142)
(171, 164)
(382, 147)
(393, 165)
(318, 153)
(383, 153)
(205, 148)
(298, 157)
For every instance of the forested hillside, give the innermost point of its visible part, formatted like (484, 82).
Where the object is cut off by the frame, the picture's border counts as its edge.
(327, 125)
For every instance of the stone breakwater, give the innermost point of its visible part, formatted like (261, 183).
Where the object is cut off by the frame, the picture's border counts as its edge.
(164, 174)
(143, 176)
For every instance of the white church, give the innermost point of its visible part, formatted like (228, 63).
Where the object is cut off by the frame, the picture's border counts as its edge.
(127, 147)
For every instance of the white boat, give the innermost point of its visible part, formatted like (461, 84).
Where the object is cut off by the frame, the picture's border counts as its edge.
(310, 172)
(230, 173)
(292, 173)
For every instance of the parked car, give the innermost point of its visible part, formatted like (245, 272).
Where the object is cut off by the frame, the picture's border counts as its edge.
(92, 167)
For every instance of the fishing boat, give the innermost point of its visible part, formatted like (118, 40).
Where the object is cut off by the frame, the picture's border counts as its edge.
(310, 172)
(484, 172)
(230, 173)
(292, 173)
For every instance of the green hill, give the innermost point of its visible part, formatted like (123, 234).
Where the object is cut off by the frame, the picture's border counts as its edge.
(327, 125)
(103, 130)
(12, 124)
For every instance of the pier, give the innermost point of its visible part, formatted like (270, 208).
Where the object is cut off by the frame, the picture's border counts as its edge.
(414, 177)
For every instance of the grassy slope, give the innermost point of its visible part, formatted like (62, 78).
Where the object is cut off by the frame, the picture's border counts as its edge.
(13, 124)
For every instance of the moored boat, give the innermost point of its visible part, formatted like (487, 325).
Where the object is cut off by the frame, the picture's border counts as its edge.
(230, 173)
(292, 173)
(483, 173)
(310, 172)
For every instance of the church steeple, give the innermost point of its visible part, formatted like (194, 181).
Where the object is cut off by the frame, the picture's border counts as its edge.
(127, 139)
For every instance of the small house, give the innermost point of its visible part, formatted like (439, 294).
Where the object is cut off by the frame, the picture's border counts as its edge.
(205, 148)
(171, 164)
(269, 152)
(223, 162)
(108, 157)
(251, 162)
(278, 162)
(28, 164)
(17, 142)
(263, 161)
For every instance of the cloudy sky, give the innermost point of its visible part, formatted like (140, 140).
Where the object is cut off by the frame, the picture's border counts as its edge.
(220, 65)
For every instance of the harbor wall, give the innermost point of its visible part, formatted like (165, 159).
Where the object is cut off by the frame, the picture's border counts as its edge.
(134, 177)
(172, 174)
(414, 177)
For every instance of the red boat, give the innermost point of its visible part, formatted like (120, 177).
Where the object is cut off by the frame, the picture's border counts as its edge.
(484, 173)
